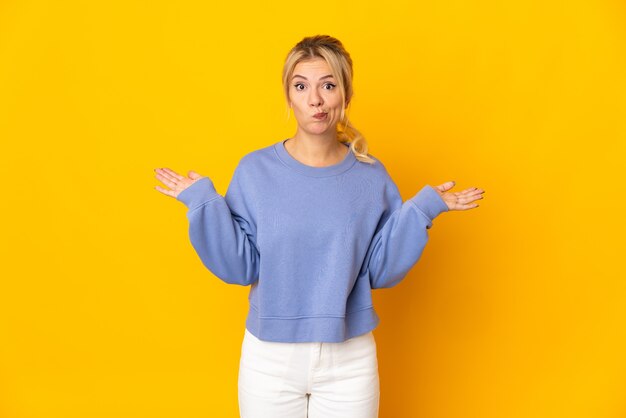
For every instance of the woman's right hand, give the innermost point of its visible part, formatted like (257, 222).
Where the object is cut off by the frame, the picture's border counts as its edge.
(176, 182)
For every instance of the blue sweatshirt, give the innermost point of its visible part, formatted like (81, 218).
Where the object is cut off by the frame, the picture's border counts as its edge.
(311, 242)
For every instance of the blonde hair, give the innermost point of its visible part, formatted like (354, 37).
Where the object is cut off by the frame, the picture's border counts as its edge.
(332, 51)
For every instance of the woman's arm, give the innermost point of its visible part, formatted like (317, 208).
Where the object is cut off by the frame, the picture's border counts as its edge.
(399, 244)
(221, 229)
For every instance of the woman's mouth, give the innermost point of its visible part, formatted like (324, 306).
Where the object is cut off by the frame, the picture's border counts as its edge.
(320, 115)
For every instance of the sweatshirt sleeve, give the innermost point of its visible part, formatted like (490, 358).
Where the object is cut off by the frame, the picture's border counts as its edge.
(222, 230)
(399, 244)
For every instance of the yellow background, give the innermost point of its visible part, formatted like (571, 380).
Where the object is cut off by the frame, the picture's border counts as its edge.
(516, 309)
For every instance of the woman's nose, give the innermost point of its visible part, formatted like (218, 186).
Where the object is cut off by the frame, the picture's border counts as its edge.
(315, 99)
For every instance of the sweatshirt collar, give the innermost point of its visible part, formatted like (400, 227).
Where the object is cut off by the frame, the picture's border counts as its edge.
(311, 171)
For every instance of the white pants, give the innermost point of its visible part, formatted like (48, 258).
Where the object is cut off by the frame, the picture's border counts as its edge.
(312, 379)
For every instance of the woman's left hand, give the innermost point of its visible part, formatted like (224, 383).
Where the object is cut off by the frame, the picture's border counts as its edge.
(459, 200)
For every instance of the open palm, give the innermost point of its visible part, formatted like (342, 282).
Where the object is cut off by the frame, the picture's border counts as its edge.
(176, 182)
(459, 200)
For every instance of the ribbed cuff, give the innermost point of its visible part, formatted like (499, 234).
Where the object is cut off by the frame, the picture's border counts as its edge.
(198, 193)
(429, 202)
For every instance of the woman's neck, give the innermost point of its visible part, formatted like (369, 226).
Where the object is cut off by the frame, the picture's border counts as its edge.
(316, 151)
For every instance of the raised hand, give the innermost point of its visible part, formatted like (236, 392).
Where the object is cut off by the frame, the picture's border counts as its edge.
(176, 182)
(459, 200)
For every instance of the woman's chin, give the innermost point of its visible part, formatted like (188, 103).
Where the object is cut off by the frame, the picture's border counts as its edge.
(320, 130)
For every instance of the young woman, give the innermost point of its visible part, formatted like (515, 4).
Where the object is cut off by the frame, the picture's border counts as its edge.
(312, 223)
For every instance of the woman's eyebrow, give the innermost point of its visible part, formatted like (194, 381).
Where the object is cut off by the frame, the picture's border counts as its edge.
(321, 78)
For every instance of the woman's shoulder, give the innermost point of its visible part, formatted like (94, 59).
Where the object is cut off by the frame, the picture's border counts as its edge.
(377, 168)
(257, 156)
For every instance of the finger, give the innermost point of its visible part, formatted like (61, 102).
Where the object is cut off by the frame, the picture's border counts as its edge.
(472, 192)
(476, 192)
(173, 173)
(465, 207)
(170, 175)
(468, 199)
(164, 191)
(164, 174)
(169, 183)
(445, 186)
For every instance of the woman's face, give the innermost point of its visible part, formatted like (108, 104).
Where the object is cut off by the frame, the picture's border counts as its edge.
(314, 90)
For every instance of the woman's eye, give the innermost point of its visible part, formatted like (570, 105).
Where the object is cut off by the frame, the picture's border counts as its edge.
(297, 85)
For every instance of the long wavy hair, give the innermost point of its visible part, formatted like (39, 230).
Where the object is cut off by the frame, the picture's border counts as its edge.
(332, 51)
